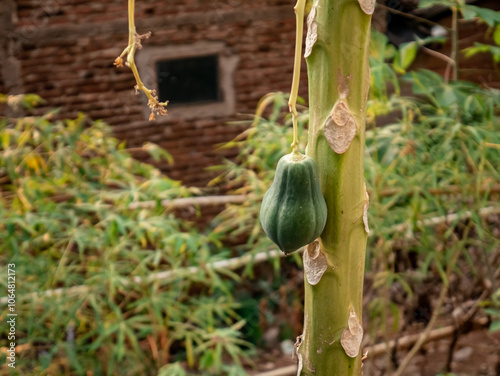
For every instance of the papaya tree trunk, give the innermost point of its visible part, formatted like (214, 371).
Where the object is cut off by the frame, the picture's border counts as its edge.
(336, 52)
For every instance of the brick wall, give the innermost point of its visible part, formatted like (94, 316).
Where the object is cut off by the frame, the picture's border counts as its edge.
(64, 51)
(66, 48)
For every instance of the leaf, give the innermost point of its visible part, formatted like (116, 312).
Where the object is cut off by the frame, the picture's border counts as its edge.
(157, 152)
(429, 40)
(174, 369)
(495, 326)
(405, 56)
(445, 96)
(496, 35)
(430, 3)
(481, 48)
(5, 139)
(492, 312)
(380, 49)
(189, 351)
(489, 16)
(207, 360)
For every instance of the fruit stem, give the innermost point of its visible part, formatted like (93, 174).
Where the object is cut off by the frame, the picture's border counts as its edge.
(134, 44)
(299, 13)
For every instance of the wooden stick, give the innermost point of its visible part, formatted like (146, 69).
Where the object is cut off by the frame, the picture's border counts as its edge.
(181, 203)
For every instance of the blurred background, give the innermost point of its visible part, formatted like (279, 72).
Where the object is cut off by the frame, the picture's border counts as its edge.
(137, 244)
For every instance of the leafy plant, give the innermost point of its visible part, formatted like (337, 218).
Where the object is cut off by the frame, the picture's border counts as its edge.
(431, 173)
(91, 268)
(482, 15)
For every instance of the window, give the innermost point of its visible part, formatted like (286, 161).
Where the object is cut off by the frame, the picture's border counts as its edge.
(188, 80)
(196, 79)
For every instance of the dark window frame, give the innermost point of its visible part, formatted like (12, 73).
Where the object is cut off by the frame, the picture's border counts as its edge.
(189, 80)
(148, 57)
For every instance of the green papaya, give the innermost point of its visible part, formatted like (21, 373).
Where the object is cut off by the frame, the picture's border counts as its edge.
(293, 211)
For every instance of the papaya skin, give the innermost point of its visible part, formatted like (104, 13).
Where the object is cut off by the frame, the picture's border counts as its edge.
(293, 212)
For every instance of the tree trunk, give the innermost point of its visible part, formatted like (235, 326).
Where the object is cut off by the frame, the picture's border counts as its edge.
(339, 77)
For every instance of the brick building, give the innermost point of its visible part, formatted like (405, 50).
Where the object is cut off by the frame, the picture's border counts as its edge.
(64, 51)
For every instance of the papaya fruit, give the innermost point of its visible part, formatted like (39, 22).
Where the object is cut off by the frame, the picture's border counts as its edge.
(293, 211)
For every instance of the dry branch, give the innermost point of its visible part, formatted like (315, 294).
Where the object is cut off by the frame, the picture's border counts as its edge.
(180, 203)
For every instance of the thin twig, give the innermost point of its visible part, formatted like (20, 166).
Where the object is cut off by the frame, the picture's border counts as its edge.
(460, 324)
(134, 44)
(454, 42)
(180, 203)
(409, 15)
(439, 55)
(299, 13)
(283, 371)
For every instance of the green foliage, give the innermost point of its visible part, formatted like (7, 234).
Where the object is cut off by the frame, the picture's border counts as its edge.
(382, 73)
(66, 222)
(434, 160)
(438, 156)
(407, 52)
(494, 310)
(481, 47)
(446, 3)
(489, 16)
(492, 19)
(252, 173)
(482, 15)
(382, 51)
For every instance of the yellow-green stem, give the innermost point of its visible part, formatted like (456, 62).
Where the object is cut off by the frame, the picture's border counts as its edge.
(454, 41)
(134, 43)
(131, 22)
(292, 101)
(338, 73)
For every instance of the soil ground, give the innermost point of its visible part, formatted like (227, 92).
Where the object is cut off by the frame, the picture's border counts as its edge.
(476, 354)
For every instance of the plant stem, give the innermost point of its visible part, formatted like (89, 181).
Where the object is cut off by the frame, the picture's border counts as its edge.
(299, 14)
(131, 21)
(338, 72)
(454, 41)
(134, 43)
